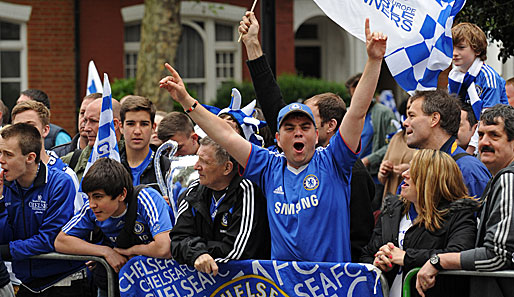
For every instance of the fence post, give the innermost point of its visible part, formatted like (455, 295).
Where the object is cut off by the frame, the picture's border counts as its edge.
(110, 273)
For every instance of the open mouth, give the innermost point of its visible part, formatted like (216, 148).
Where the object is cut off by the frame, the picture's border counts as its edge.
(298, 147)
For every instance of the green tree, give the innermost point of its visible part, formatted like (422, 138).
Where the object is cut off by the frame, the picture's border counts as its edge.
(160, 36)
(496, 18)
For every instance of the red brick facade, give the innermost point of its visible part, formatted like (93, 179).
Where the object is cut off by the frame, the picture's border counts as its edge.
(51, 56)
(51, 46)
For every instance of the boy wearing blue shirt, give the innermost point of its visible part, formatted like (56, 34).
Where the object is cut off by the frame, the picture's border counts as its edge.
(307, 208)
(137, 125)
(110, 194)
(38, 202)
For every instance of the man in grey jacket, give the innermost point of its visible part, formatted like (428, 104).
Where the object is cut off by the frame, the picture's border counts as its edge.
(495, 239)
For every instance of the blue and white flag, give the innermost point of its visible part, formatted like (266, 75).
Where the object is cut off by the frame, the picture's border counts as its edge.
(106, 145)
(94, 84)
(419, 44)
(143, 276)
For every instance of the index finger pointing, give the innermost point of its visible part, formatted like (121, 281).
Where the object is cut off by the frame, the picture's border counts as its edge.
(367, 31)
(172, 71)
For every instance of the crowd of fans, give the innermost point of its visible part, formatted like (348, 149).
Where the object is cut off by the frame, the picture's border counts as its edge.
(336, 184)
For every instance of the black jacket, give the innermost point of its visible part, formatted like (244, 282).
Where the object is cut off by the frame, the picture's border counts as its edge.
(458, 233)
(239, 231)
(65, 148)
(362, 186)
(148, 176)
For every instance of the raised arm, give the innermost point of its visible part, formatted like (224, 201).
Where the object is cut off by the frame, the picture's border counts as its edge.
(266, 88)
(215, 127)
(351, 127)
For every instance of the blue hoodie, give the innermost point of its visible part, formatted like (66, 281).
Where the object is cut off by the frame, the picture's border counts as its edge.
(32, 220)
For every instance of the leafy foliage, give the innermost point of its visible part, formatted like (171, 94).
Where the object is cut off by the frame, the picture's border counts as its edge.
(293, 88)
(123, 87)
(496, 18)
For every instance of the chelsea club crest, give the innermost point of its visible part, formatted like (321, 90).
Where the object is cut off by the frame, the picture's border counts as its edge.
(310, 182)
(139, 228)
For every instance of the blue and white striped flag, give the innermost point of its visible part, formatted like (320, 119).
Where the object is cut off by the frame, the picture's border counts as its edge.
(94, 84)
(106, 145)
(419, 42)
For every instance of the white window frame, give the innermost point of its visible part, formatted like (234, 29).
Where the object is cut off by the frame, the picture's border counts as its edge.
(191, 11)
(17, 14)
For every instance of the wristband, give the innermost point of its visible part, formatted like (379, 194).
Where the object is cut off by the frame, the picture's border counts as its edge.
(192, 107)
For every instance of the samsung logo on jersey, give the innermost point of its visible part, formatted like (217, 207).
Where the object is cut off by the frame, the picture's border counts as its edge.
(295, 208)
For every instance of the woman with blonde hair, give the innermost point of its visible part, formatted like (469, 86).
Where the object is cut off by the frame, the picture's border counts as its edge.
(433, 215)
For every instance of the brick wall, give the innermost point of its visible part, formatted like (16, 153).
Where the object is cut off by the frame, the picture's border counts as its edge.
(51, 56)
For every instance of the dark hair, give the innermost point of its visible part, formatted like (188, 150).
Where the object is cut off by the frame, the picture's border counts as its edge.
(221, 154)
(491, 115)
(37, 95)
(137, 103)
(108, 175)
(28, 138)
(471, 114)
(443, 103)
(330, 106)
(175, 122)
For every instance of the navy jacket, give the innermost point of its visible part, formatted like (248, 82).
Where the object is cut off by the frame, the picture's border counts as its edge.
(31, 221)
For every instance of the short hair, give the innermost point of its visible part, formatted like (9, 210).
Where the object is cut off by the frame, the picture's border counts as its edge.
(37, 95)
(445, 104)
(473, 35)
(38, 107)
(221, 154)
(108, 175)
(330, 106)
(173, 123)
(137, 103)
(436, 176)
(491, 115)
(5, 113)
(353, 81)
(93, 96)
(472, 120)
(29, 138)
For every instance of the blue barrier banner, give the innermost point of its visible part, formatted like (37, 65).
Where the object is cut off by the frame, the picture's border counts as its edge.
(151, 277)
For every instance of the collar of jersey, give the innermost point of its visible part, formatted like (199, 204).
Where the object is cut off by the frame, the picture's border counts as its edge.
(297, 171)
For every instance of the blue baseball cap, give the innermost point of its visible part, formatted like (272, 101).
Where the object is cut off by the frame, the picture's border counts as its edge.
(294, 108)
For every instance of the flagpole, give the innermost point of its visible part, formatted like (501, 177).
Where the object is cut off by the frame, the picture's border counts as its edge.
(253, 7)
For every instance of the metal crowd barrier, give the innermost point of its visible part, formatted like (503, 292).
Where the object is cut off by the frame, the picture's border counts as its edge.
(111, 278)
(412, 273)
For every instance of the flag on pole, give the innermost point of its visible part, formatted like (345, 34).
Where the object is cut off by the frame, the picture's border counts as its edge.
(106, 145)
(419, 44)
(94, 84)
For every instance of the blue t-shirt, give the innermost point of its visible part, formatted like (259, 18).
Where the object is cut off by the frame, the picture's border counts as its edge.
(308, 208)
(152, 218)
(137, 171)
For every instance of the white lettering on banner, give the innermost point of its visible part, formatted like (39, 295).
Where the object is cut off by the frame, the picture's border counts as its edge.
(401, 14)
(152, 277)
(295, 208)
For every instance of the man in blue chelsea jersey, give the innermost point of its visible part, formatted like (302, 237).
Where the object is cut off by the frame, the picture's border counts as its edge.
(307, 189)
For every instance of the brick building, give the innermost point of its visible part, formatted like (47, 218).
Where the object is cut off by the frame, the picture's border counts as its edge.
(47, 44)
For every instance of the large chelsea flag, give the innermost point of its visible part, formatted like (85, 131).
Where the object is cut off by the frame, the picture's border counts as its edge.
(419, 44)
